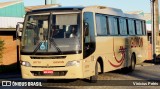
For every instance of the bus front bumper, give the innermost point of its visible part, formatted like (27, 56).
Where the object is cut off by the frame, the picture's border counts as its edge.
(70, 72)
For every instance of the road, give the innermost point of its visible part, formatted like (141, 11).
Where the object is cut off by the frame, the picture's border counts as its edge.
(110, 80)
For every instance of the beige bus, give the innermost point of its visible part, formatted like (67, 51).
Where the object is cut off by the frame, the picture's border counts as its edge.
(80, 42)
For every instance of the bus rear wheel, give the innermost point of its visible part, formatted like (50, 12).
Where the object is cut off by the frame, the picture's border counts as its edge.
(133, 63)
(94, 78)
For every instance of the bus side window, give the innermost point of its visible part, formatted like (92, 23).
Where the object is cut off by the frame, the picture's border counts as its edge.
(101, 25)
(113, 25)
(131, 27)
(123, 26)
(138, 27)
(144, 27)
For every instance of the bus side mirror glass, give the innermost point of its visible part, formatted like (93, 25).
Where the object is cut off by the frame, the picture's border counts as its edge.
(18, 30)
(86, 29)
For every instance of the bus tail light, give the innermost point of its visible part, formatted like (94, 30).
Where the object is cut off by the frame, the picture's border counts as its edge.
(27, 64)
(73, 63)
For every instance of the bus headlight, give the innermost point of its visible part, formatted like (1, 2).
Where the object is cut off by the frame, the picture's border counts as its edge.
(73, 63)
(24, 63)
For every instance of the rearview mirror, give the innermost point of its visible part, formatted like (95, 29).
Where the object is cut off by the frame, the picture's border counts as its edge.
(86, 29)
(18, 30)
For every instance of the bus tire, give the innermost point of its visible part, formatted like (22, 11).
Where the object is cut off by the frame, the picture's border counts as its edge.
(94, 78)
(133, 63)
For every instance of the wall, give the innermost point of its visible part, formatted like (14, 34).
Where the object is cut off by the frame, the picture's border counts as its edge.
(10, 53)
(9, 22)
(9, 57)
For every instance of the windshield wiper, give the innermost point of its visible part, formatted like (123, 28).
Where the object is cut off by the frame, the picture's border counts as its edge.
(35, 50)
(55, 45)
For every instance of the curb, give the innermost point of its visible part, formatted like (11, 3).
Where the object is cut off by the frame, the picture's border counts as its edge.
(145, 64)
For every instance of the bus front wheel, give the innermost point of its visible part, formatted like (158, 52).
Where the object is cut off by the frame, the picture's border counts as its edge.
(93, 79)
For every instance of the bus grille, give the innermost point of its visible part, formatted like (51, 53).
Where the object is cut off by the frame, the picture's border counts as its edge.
(55, 57)
(55, 73)
(46, 66)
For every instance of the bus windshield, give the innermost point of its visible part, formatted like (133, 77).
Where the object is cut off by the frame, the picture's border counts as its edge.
(51, 34)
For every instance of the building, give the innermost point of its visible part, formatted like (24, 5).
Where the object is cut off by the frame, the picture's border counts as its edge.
(10, 13)
(29, 8)
(149, 31)
(48, 4)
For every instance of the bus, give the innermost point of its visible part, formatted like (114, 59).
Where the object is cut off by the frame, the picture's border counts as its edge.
(80, 42)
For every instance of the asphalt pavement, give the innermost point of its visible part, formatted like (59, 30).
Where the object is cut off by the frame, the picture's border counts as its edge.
(110, 80)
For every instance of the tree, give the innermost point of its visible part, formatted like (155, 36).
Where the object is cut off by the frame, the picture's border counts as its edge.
(1, 49)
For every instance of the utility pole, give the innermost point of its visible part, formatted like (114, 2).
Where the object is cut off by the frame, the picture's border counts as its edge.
(155, 27)
(45, 2)
(50, 2)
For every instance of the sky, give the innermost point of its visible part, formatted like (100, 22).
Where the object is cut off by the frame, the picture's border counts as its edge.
(125, 5)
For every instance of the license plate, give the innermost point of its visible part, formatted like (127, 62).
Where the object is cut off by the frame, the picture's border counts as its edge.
(48, 71)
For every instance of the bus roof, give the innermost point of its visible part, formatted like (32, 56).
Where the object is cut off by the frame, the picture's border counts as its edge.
(111, 11)
(59, 8)
(96, 9)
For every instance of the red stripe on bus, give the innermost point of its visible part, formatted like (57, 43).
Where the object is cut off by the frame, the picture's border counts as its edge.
(119, 61)
(114, 65)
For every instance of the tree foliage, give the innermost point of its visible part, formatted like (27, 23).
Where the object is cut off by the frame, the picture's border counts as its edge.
(1, 48)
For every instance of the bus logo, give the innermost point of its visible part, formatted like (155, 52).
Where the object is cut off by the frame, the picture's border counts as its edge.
(6, 83)
(136, 42)
(43, 47)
